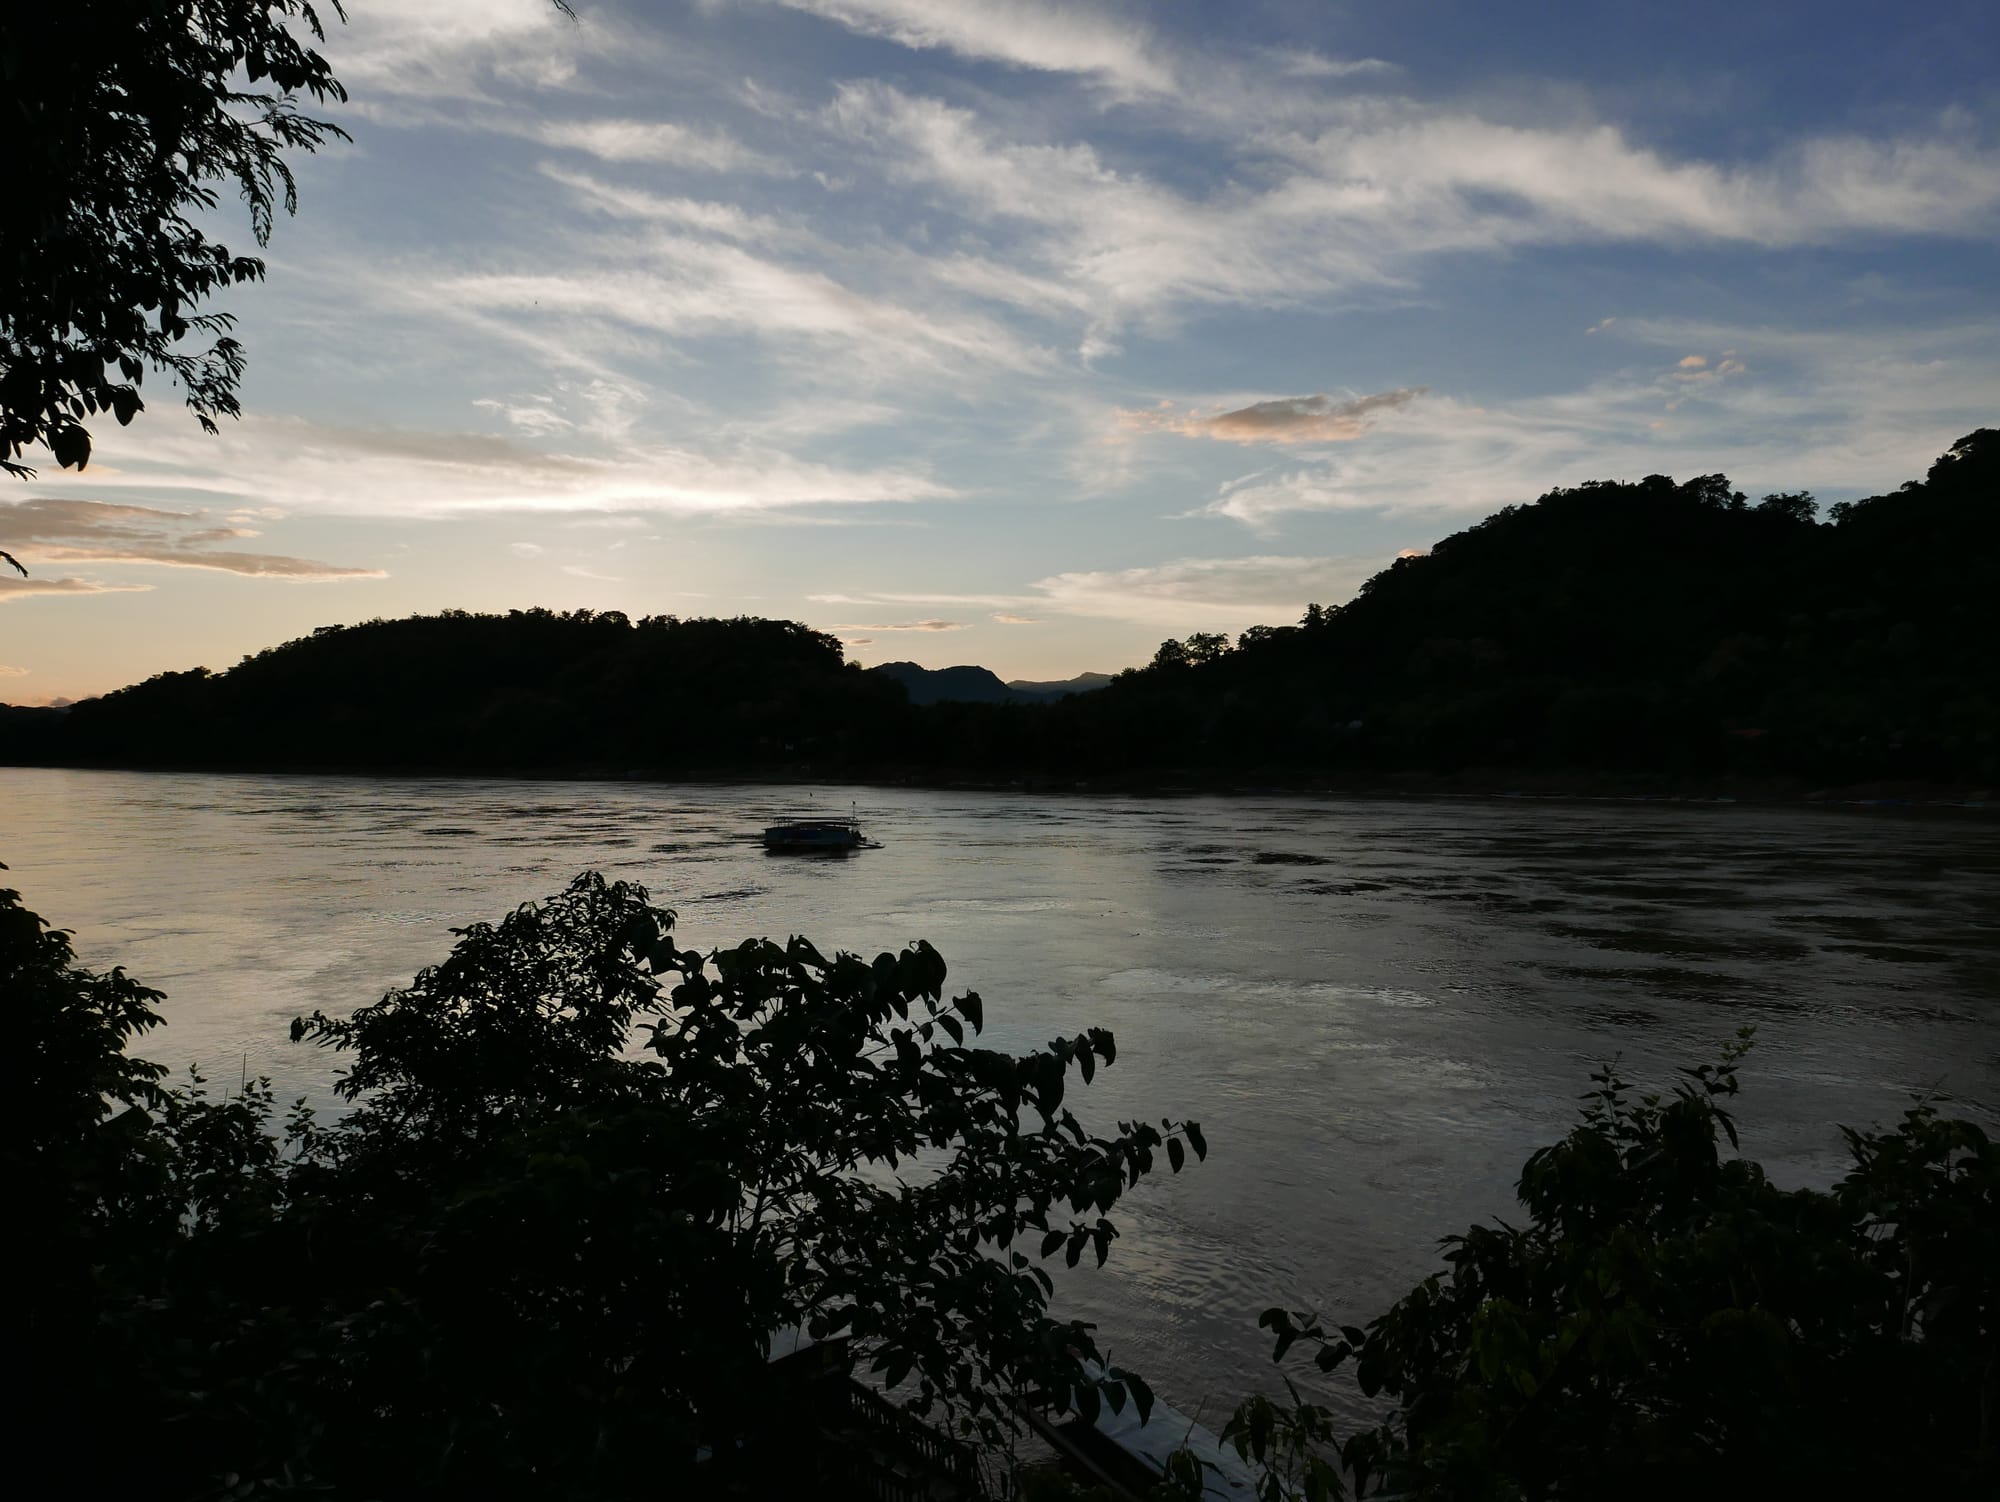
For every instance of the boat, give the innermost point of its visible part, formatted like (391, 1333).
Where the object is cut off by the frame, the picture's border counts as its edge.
(806, 836)
(1125, 1457)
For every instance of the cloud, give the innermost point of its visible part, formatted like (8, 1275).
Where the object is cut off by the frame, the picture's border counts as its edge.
(526, 549)
(12, 672)
(75, 531)
(725, 221)
(1006, 618)
(413, 472)
(1289, 419)
(578, 571)
(1827, 410)
(1208, 591)
(658, 142)
(534, 420)
(1230, 592)
(1348, 201)
(1304, 62)
(1050, 38)
(458, 50)
(908, 626)
(701, 284)
(12, 588)
(1693, 362)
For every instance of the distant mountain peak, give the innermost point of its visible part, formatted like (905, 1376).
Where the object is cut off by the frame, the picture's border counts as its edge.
(970, 684)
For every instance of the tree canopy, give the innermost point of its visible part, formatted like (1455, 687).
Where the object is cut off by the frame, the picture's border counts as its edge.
(546, 1251)
(1666, 1322)
(124, 119)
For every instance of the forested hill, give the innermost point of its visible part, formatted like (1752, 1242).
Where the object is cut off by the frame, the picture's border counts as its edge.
(526, 690)
(1647, 628)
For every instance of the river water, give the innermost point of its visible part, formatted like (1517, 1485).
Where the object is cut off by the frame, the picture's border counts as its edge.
(1375, 1008)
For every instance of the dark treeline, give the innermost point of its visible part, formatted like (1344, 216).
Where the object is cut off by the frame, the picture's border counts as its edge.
(1645, 628)
(532, 689)
(1648, 628)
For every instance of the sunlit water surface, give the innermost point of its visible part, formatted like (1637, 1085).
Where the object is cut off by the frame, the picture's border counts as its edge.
(1376, 1009)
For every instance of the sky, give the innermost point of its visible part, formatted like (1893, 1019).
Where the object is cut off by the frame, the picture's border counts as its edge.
(1030, 334)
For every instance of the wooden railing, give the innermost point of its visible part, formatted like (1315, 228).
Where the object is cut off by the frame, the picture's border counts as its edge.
(944, 1456)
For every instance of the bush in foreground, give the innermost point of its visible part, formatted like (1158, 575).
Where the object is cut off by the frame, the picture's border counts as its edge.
(545, 1252)
(1668, 1323)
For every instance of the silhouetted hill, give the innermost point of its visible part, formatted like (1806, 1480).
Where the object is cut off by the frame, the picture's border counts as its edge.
(976, 685)
(960, 685)
(528, 689)
(1648, 627)
(1643, 628)
(1082, 683)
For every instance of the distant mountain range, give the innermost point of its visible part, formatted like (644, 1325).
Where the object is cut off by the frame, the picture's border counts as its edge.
(976, 685)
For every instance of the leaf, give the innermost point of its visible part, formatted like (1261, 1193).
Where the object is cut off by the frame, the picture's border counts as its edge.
(71, 446)
(951, 1025)
(1195, 1139)
(970, 1007)
(1142, 1395)
(1053, 1240)
(1176, 1154)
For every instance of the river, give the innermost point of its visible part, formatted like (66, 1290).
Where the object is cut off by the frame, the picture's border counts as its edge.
(1375, 1008)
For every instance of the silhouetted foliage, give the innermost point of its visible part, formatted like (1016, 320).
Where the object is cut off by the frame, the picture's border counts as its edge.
(545, 1253)
(121, 118)
(1647, 627)
(1667, 1323)
(530, 689)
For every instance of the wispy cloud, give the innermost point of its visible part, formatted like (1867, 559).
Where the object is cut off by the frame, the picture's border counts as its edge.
(1017, 33)
(318, 467)
(933, 625)
(697, 285)
(1287, 419)
(76, 531)
(1189, 592)
(660, 142)
(12, 672)
(1305, 62)
(1777, 409)
(20, 589)
(460, 50)
(1352, 204)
